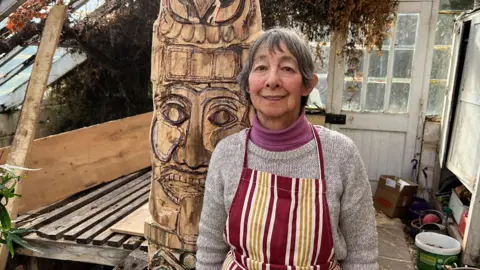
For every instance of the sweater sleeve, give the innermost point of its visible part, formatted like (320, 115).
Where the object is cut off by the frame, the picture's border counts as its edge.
(357, 215)
(212, 248)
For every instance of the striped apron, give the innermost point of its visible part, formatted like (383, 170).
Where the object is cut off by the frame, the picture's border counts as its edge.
(279, 223)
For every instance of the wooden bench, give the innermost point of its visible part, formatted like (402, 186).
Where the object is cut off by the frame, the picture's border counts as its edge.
(78, 228)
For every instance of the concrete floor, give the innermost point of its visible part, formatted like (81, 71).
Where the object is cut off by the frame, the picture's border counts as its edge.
(394, 253)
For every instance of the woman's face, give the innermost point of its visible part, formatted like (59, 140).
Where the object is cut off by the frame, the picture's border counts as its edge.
(275, 85)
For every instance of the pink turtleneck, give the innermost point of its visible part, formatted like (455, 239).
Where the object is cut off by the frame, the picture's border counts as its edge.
(287, 139)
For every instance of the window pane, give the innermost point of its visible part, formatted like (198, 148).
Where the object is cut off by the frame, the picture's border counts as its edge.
(436, 95)
(444, 31)
(351, 96)
(358, 73)
(406, 30)
(399, 98)
(378, 64)
(375, 97)
(456, 5)
(318, 97)
(402, 63)
(17, 60)
(441, 60)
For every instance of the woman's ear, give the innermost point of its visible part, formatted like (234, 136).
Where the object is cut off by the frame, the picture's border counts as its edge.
(312, 85)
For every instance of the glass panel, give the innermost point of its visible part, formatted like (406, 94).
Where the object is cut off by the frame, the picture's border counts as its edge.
(399, 98)
(359, 69)
(406, 29)
(24, 75)
(16, 81)
(88, 7)
(444, 31)
(318, 97)
(351, 96)
(3, 23)
(456, 5)
(17, 60)
(441, 60)
(436, 96)
(378, 64)
(375, 97)
(402, 63)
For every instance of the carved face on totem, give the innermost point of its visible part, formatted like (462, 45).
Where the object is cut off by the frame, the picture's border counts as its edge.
(198, 50)
(189, 124)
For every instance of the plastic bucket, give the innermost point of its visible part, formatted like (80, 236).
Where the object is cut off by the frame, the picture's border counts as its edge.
(435, 250)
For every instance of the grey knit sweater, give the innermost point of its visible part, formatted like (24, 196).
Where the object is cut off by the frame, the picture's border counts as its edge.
(348, 193)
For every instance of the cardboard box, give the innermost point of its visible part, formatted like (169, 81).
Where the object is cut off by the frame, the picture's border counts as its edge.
(394, 195)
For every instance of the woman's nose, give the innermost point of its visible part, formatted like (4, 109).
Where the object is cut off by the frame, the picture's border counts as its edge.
(272, 80)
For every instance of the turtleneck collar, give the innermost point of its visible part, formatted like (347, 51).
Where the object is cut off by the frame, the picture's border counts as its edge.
(287, 139)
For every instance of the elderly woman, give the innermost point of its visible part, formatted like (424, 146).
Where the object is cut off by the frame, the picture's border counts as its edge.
(285, 194)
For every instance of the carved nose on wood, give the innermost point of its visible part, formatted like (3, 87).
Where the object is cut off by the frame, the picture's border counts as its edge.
(202, 6)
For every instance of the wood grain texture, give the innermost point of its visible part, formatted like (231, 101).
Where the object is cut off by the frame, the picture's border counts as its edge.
(70, 251)
(80, 159)
(133, 242)
(113, 211)
(137, 260)
(117, 240)
(21, 148)
(102, 237)
(133, 224)
(104, 224)
(197, 52)
(56, 229)
(48, 217)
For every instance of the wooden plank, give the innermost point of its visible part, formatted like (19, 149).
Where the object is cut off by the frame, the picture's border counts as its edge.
(27, 124)
(117, 240)
(70, 251)
(144, 246)
(134, 223)
(64, 210)
(80, 159)
(102, 238)
(88, 236)
(126, 203)
(133, 242)
(137, 260)
(56, 229)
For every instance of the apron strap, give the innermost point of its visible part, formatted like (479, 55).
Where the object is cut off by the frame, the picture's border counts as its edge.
(320, 152)
(245, 159)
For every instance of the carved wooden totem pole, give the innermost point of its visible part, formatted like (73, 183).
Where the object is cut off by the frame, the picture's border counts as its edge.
(198, 49)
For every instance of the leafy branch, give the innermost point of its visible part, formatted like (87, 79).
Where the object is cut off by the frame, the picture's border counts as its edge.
(8, 233)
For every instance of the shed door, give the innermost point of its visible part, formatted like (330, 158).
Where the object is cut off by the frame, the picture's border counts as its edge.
(383, 104)
(463, 157)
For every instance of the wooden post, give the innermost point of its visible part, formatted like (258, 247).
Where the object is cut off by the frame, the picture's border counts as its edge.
(27, 123)
(198, 49)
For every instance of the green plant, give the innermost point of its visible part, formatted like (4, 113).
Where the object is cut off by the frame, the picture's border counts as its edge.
(9, 234)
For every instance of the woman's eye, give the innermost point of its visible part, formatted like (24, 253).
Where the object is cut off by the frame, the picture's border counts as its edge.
(222, 117)
(288, 69)
(174, 113)
(260, 68)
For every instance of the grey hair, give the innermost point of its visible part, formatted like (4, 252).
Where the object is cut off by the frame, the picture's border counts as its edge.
(272, 39)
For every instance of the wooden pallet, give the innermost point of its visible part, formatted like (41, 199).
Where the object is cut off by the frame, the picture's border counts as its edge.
(78, 228)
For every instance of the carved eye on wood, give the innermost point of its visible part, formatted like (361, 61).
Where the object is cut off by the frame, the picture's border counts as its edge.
(222, 117)
(174, 113)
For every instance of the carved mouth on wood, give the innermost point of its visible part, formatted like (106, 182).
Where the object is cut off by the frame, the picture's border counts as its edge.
(179, 184)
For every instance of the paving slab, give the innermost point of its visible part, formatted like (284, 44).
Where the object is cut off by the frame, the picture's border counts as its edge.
(393, 251)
